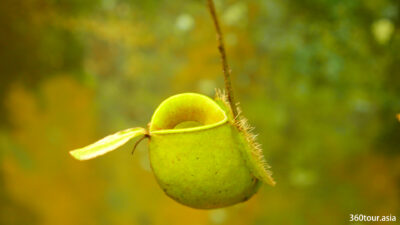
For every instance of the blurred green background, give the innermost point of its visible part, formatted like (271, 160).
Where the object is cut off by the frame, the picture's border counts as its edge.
(319, 79)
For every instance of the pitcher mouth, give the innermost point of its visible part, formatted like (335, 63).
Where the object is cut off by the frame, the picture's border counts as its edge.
(187, 107)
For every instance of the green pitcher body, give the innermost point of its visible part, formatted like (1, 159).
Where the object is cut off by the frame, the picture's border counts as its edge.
(199, 166)
(203, 171)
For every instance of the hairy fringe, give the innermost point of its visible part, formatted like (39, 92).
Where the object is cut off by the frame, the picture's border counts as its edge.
(242, 124)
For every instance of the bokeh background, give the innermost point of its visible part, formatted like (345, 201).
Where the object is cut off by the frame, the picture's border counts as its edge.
(319, 79)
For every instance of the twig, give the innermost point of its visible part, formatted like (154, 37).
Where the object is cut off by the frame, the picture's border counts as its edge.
(225, 66)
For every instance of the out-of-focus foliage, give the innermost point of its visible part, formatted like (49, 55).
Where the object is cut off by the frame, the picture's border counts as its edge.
(319, 79)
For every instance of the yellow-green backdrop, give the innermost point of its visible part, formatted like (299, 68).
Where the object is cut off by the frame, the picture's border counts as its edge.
(319, 79)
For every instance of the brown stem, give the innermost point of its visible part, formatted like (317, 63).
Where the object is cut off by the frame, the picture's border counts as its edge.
(138, 141)
(225, 66)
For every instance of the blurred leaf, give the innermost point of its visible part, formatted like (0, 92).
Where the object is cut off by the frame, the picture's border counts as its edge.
(184, 22)
(235, 14)
(382, 30)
